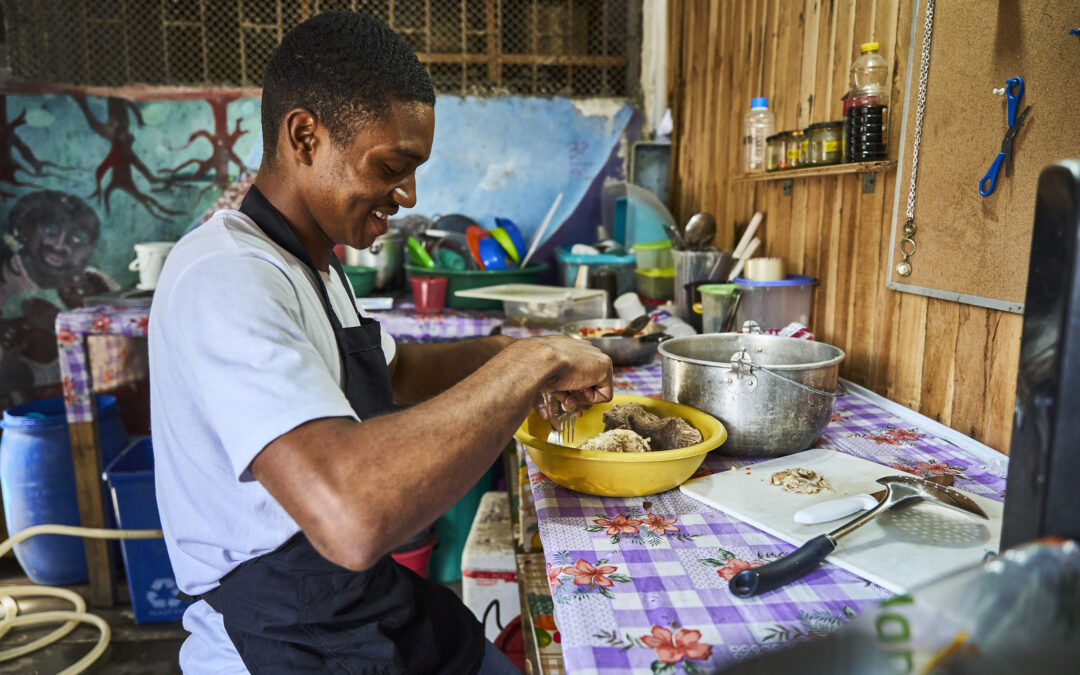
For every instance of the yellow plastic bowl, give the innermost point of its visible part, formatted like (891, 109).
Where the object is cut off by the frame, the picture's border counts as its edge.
(620, 474)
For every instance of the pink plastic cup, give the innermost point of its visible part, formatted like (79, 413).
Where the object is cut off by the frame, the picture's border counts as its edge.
(429, 294)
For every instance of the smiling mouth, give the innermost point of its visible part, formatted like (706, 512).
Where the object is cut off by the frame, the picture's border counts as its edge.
(54, 259)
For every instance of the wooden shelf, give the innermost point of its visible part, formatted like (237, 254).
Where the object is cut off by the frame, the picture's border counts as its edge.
(816, 171)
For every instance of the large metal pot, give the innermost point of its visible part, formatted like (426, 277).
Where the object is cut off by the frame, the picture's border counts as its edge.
(774, 394)
(623, 351)
(386, 255)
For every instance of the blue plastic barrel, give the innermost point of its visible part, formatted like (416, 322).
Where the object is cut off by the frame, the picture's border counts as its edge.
(37, 480)
(149, 572)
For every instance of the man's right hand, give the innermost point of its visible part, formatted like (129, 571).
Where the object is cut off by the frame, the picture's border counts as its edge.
(579, 374)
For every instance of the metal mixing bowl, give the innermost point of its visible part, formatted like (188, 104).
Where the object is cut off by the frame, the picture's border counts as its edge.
(778, 406)
(623, 351)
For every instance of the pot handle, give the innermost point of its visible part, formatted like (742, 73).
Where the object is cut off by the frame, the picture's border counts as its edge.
(741, 359)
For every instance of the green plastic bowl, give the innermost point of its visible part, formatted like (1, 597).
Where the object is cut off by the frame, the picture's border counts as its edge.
(463, 280)
(362, 279)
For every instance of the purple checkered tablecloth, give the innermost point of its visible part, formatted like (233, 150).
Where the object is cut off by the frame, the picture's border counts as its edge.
(72, 328)
(640, 584)
(452, 324)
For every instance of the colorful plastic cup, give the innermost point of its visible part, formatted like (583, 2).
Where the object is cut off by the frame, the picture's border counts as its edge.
(429, 294)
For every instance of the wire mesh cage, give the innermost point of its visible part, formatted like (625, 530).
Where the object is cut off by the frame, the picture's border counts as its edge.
(571, 48)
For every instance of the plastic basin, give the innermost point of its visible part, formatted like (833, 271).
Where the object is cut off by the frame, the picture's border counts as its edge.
(362, 279)
(620, 474)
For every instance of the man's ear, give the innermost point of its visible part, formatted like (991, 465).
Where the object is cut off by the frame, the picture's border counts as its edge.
(300, 125)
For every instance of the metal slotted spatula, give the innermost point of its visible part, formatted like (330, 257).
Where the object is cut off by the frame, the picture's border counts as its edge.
(795, 565)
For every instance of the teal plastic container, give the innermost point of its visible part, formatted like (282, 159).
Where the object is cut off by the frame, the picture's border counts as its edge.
(463, 280)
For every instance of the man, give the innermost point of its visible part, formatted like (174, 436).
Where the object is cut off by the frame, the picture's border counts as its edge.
(285, 470)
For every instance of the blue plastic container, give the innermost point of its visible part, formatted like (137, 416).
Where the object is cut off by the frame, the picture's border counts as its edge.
(622, 264)
(149, 572)
(37, 479)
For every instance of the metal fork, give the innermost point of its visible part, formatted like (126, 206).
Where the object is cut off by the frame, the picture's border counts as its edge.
(564, 423)
(567, 423)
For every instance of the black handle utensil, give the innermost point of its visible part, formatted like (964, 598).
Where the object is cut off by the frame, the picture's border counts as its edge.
(805, 559)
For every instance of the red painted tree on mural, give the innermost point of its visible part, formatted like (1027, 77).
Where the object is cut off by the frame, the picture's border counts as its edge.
(116, 128)
(221, 140)
(10, 166)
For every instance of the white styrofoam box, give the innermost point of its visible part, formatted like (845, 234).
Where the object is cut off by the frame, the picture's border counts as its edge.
(489, 583)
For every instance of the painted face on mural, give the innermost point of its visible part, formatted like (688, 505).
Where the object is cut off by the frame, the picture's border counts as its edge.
(57, 250)
(353, 190)
(57, 233)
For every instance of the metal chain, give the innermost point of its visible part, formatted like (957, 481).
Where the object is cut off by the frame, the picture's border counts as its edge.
(907, 244)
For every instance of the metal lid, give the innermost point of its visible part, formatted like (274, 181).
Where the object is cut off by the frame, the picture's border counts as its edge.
(825, 125)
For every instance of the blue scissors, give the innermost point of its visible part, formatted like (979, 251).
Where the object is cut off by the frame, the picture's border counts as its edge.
(1014, 89)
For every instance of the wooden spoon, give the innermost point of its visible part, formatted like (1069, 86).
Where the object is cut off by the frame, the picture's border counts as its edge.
(634, 326)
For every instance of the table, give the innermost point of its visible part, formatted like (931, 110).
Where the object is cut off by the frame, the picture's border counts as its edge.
(639, 585)
(112, 368)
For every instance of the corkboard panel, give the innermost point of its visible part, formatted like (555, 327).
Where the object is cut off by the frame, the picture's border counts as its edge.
(975, 249)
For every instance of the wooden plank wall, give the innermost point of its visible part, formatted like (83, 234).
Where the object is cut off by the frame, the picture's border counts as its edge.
(952, 362)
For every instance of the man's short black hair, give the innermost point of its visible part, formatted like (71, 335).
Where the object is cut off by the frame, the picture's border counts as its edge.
(344, 67)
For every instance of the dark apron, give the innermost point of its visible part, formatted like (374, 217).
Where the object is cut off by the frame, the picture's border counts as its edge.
(293, 610)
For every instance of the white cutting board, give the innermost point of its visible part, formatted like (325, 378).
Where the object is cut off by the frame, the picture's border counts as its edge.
(901, 549)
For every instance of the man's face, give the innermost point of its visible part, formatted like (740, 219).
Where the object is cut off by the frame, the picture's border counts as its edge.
(350, 191)
(56, 250)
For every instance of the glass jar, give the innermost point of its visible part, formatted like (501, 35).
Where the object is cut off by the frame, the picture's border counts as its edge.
(794, 149)
(772, 152)
(825, 143)
(781, 149)
(804, 148)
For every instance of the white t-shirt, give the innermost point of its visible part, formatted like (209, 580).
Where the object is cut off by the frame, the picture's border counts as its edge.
(241, 352)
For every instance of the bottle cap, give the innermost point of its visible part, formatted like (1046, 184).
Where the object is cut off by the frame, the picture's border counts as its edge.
(759, 102)
(869, 47)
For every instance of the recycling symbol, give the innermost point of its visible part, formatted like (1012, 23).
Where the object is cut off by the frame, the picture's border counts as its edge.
(162, 594)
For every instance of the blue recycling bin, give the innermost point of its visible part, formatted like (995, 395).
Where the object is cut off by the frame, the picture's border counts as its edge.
(149, 572)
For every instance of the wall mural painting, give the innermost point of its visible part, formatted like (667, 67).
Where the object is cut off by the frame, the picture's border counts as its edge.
(9, 144)
(79, 175)
(44, 268)
(223, 143)
(116, 129)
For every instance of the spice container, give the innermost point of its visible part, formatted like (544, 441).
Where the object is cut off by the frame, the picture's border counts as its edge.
(825, 143)
(656, 283)
(804, 148)
(794, 147)
(653, 254)
(781, 149)
(772, 152)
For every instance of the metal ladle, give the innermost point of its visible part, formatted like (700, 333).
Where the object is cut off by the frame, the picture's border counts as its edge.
(700, 230)
(805, 559)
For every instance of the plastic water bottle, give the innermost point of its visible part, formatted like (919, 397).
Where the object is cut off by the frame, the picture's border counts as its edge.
(866, 109)
(759, 124)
